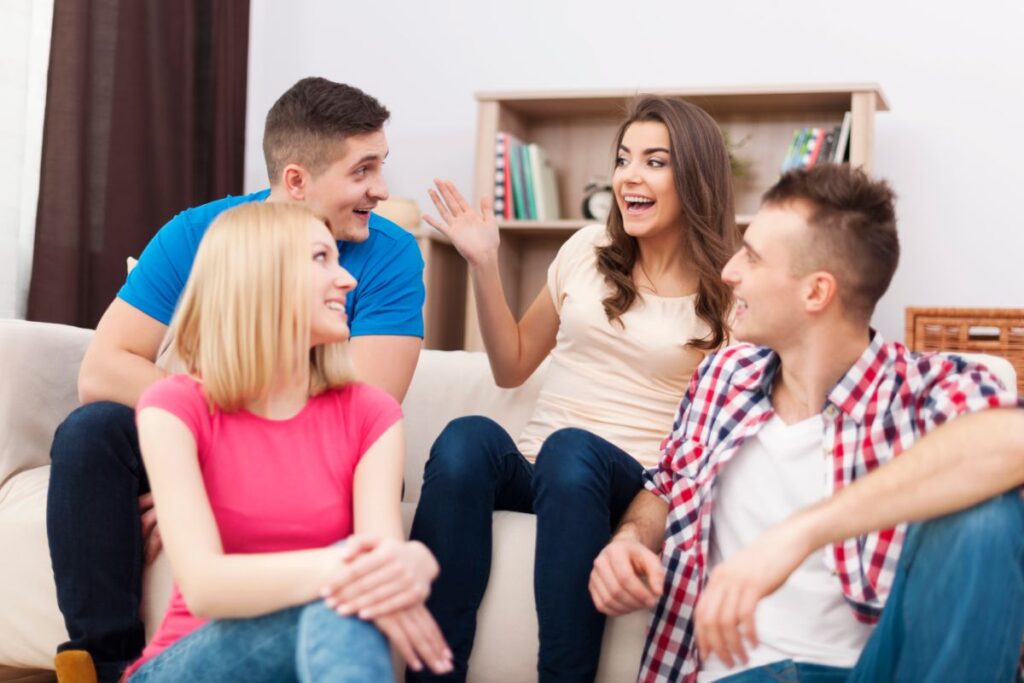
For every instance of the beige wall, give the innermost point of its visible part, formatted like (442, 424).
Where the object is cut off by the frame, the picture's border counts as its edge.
(951, 145)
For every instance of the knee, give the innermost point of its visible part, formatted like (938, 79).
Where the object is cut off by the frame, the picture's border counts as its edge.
(92, 429)
(979, 531)
(569, 459)
(463, 451)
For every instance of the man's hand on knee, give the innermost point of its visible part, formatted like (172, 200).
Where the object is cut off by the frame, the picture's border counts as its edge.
(627, 577)
(151, 541)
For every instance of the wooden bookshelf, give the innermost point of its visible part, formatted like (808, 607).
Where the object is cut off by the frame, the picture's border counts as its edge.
(576, 129)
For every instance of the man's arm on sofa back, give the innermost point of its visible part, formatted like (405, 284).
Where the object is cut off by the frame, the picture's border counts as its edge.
(120, 362)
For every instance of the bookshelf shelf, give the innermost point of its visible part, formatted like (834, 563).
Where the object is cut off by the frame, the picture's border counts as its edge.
(576, 130)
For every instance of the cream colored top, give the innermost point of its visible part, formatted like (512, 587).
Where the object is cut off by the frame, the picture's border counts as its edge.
(622, 384)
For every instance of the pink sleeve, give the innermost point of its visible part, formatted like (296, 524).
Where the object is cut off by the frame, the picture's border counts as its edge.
(377, 411)
(182, 397)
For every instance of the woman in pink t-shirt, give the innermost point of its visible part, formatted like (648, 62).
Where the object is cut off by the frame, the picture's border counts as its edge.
(262, 459)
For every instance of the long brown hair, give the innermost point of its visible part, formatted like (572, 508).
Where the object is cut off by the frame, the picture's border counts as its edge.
(703, 180)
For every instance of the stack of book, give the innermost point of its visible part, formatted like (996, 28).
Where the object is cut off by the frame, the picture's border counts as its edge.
(524, 181)
(817, 145)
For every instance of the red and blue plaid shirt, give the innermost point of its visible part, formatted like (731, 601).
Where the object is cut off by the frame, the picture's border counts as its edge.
(887, 400)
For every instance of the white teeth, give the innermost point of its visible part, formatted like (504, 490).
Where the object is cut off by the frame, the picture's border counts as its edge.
(637, 199)
(336, 306)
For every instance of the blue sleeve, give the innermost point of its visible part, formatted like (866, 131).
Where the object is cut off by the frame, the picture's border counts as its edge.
(157, 280)
(390, 293)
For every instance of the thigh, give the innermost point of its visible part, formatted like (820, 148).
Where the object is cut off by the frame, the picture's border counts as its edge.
(575, 458)
(257, 650)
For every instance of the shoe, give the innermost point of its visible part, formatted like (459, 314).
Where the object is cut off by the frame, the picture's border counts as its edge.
(75, 666)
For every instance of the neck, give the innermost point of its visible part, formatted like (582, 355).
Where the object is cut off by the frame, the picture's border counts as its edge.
(663, 258)
(278, 194)
(813, 365)
(284, 400)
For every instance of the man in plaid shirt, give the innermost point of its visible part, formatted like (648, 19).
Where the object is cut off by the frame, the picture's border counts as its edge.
(780, 508)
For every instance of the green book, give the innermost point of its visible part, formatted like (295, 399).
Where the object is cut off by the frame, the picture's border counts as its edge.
(530, 193)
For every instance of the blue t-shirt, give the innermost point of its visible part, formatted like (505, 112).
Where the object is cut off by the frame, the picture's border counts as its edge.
(388, 267)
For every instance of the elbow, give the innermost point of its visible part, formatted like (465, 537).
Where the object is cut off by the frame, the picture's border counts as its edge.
(507, 381)
(199, 603)
(88, 384)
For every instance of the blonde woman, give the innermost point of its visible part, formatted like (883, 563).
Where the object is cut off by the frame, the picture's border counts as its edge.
(262, 459)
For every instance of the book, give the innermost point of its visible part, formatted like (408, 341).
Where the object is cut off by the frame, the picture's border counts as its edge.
(528, 184)
(816, 147)
(545, 186)
(499, 175)
(509, 204)
(841, 153)
(787, 161)
(515, 166)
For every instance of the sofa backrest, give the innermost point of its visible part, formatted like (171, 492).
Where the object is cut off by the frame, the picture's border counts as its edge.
(38, 388)
(451, 384)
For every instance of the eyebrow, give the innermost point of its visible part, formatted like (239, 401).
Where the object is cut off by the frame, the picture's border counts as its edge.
(746, 245)
(649, 150)
(372, 157)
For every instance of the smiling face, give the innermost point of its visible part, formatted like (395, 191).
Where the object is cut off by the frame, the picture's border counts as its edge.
(644, 181)
(764, 275)
(345, 192)
(331, 283)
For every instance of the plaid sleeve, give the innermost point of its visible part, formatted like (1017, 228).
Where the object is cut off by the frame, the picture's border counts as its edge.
(955, 386)
(658, 479)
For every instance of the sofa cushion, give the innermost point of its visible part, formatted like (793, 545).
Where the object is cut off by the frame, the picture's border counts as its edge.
(38, 390)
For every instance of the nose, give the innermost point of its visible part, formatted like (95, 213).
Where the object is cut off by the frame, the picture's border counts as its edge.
(730, 272)
(378, 190)
(344, 280)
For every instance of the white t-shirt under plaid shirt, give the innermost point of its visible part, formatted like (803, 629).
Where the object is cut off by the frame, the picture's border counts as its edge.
(887, 400)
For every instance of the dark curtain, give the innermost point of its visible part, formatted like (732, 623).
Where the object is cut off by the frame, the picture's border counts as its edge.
(145, 116)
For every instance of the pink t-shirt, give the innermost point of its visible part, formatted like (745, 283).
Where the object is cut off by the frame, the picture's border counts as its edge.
(273, 485)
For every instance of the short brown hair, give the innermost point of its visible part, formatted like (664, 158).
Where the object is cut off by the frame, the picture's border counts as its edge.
(312, 118)
(853, 219)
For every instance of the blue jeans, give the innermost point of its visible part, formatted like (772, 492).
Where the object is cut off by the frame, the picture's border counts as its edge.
(92, 521)
(579, 488)
(956, 610)
(300, 644)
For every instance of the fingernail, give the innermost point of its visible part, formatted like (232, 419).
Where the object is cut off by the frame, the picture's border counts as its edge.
(344, 610)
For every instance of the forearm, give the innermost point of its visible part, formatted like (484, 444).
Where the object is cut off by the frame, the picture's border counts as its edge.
(498, 326)
(235, 586)
(644, 521)
(115, 375)
(960, 464)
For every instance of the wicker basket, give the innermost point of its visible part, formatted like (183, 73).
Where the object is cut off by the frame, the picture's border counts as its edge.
(998, 331)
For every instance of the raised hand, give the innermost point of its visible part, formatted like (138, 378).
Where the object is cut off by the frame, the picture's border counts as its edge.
(379, 576)
(473, 233)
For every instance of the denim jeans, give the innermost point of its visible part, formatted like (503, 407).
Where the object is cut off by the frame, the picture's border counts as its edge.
(579, 488)
(95, 536)
(300, 644)
(956, 610)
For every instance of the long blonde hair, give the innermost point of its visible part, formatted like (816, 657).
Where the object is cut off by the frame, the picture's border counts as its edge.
(242, 324)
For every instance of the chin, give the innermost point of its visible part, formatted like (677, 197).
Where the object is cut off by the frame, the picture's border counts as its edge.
(356, 234)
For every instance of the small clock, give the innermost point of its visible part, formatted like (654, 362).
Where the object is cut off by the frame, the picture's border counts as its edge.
(597, 201)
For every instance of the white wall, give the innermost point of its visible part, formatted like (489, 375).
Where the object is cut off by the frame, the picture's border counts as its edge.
(952, 145)
(25, 27)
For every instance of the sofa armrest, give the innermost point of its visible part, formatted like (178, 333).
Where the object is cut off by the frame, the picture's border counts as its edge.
(39, 365)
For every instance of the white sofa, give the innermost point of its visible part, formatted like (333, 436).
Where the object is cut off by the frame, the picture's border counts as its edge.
(38, 366)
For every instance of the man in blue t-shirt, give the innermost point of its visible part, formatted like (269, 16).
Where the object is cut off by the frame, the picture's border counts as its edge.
(325, 147)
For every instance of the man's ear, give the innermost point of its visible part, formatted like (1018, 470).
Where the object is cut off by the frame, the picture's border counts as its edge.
(295, 180)
(820, 289)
